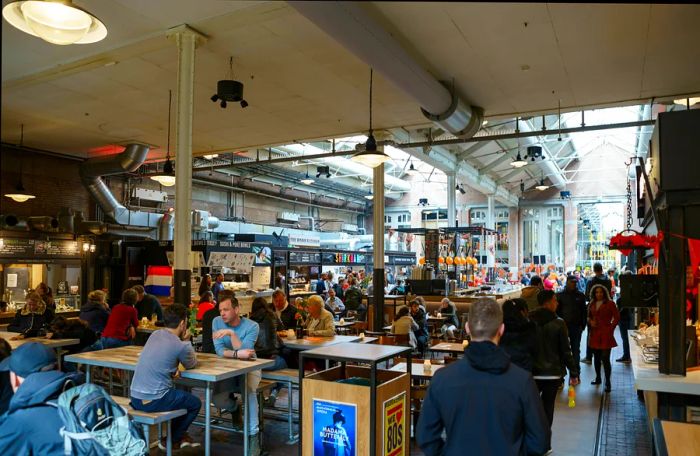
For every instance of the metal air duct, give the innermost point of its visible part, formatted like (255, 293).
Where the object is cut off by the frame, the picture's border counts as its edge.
(351, 25)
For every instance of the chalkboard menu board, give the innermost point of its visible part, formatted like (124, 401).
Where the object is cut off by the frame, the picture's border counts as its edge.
(343, 258)
(304, 257)
(36, 249)
(432, 246)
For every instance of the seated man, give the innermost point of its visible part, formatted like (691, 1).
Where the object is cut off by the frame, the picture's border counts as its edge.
(284, 311)
(320, 321)
(449, 313)
(147, 304)
(234, 337)
(421, 318)
(31, 425)
(152, 388)
(335, 303)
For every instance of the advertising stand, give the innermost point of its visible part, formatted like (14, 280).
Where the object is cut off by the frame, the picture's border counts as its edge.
(354, 409)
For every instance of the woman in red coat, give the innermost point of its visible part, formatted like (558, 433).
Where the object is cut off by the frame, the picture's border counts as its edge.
(602, 317)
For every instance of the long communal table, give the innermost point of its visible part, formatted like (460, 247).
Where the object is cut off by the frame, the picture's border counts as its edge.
(210, 370)
(52, 343)
(310, 342)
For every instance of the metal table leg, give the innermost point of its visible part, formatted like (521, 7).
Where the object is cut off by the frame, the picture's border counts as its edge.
(207, 419)
(169, 441)
(289, 409)
(88, 375)
(246, 409)
(147, 437)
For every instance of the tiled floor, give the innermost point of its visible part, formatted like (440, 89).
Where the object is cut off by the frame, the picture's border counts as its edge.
(573, 433)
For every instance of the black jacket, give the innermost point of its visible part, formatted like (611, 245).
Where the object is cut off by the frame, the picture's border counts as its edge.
(421, 319)
(353, 298)
(207, 320)
(148, 306)
(75, 329)
(31, 324)
(287, 317)
(520, 341)
(487, 406)
(572, 308)
(95, 314)
(268, 343)
(553, 353)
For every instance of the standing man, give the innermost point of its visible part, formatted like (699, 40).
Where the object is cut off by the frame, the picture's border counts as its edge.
(353, 300)
(483, 402)
(152, 388)
(572, 309)
(599, 278)
(218, 286)
(234, 337)
(553, 354)
(322, 285)
(147, 304)
(284, 311)
(580, 282)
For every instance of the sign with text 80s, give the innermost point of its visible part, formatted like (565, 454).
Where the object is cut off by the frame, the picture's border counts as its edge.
(395, 426)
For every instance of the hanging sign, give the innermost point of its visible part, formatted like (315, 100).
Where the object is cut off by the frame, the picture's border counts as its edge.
(394, 413)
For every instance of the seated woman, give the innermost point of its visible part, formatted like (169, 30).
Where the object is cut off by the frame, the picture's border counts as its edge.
(320, 321)
(404, 324)
(32, 319)
(95, 312)
(206, 303)
(268, 344)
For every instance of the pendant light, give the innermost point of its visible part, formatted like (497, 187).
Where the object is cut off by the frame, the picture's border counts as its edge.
(55, 21)
(518, 162)
(370, 156)
(369, 195)
(167, 177)
(542, 186)
(308, 180)
(20, 195)
(411, 171)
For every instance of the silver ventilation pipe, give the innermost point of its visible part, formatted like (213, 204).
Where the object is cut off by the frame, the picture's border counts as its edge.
(128, 161)
(351, 25)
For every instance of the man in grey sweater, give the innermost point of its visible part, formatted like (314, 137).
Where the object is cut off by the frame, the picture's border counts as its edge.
(152, 388)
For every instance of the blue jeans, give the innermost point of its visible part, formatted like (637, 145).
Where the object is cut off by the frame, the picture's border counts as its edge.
(280, 363)
(108, 342)
(174, 399)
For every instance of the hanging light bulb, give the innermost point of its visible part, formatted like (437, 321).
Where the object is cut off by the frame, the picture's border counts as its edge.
(55, 21)
(167, 177)
(20, 195)
(371, 156)
(518, 162)
(411, 171)
(369, 195)
(308, 180)
(542, 187)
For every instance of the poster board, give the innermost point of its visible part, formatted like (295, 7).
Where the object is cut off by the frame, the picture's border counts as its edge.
(335, 428)
(394, 420)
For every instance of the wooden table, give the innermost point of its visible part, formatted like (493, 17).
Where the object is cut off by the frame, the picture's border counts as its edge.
(673, 438)
(53, 343)
(417, 370)
(448, 347)
(210, 369)
(309, 342)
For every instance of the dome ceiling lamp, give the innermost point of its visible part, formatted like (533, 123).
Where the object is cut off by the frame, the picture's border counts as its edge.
(308, 180)
(166, 178)
(542, 186)
(369, 195)
(518, 162)
(371, 156)
(411, 171)
(20, 195)
(55, 21)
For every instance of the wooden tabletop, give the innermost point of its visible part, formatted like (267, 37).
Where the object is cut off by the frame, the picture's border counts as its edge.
(681, 438)
(347, 324)
(359, 352)
(53, 343)
(448, 347)
(209, 368)
(310, 342)
(417, 369)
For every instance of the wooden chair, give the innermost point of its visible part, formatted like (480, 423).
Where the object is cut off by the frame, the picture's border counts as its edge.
(418, 393)
(360, 327)
(387, 339)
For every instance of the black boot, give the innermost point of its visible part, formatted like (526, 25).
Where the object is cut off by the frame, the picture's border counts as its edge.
(597, 381)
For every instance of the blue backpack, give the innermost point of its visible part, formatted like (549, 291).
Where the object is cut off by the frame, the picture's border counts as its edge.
(95, 425)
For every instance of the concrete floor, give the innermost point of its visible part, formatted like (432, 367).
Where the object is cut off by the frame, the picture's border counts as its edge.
(573, 432)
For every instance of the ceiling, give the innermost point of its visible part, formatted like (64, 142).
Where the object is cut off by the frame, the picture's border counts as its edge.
(510, 59)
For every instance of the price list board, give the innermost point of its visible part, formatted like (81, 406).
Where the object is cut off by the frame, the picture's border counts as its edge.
(29, 249)
(432, 246)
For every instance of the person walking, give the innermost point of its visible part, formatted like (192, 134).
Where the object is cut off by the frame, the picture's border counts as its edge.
(529, 293)
(572, 309)
(599, 278)
(218, 286)
(482, 402)
(603, 316)
(520, 335)
(553, 353)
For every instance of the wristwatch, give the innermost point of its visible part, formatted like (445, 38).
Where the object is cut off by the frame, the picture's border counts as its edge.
(235, 354)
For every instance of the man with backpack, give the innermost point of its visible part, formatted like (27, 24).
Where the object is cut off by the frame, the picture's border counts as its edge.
(152, 388)
(32, 425)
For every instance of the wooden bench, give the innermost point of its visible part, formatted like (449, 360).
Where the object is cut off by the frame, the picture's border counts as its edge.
(290, 377)
(146, 419)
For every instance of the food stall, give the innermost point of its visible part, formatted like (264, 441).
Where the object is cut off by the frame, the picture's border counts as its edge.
(303, 271)
(25, 262)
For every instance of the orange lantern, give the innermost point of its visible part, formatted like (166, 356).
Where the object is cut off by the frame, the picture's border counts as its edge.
(421, 260)
(441, 260)
(449, 260)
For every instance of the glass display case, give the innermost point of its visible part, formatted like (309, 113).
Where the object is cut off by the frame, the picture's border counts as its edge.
(67, 303)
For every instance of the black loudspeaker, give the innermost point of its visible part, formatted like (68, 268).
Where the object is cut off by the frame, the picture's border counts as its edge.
(639, 290)
(543, 259)
(535, 259)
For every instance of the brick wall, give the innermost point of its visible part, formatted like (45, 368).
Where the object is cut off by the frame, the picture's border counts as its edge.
(54, 181)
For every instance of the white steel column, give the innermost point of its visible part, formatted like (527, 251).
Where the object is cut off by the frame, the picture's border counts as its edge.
(491, 224)
(187, 40)
(378, 233)
(451, 199)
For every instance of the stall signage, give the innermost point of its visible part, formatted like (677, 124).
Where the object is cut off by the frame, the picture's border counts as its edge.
(402, 260)
(343, 258)
(233, 260)
(335, 428)
(394, 413)
(31, 248)
(305, 257)
(304, 239)
(432, 246)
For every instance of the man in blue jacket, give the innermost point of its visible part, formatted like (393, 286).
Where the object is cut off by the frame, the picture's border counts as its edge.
(31, 426)
(483, 402)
